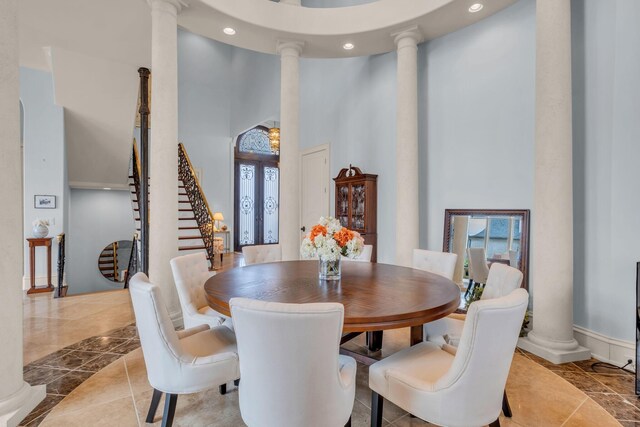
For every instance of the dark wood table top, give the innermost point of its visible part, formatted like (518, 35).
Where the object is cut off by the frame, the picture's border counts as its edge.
(375, 296)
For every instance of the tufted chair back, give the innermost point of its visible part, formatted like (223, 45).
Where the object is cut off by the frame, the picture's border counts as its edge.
(173, 367)
(260, 254)
(365, 255)
(442, 263)
(482, 361)
(289, 364)
(189, 273)
(502, 281)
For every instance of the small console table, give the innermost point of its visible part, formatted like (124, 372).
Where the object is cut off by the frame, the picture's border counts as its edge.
(33, 244)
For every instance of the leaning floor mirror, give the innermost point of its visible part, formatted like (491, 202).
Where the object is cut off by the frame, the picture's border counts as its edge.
(500, 235)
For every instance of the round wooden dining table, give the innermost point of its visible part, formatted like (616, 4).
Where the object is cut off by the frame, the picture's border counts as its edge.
(375, 296)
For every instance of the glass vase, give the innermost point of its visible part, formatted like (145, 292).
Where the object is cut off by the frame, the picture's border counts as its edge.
(329, 270)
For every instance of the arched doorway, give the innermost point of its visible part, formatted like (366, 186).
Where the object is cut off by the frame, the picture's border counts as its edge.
(256, 190)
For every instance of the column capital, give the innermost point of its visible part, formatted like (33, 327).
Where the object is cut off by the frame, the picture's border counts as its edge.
(289, 47)
(170, 6)
(409, 37)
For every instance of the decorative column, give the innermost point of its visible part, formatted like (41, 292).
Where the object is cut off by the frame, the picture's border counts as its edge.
(407, 225)
(17, 398)
(163, 149)
(290, 234)
(552, 219)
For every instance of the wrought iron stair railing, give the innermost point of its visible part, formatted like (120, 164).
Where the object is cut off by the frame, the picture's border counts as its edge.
(199, 205)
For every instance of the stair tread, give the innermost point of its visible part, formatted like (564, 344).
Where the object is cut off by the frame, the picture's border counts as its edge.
(189, 237)
(190, 248)
(189, 228)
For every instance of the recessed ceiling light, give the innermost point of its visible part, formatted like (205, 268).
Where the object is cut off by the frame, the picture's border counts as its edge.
(348, 46)
(229, 31)
(476, 7)
(107, 188)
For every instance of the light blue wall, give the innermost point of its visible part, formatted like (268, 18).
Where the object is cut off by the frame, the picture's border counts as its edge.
(606, 129)
(97, 218)
(477, 118)
(350, 105)
(256, 89)
(204, 115)
(44, 161)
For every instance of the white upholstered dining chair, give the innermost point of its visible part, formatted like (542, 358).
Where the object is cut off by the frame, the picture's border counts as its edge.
(365, 255)
(478, 268)
(502, 280)
(260, 254)
(183, 362)
(292, 374)
(442, 263)
(455, 387)
(189, 273)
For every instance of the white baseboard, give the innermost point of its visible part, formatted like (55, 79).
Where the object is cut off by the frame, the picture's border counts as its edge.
(604, 348)
(40, 281)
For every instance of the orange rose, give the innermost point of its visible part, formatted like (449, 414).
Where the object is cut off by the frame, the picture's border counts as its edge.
(343, 236)
(316, 231)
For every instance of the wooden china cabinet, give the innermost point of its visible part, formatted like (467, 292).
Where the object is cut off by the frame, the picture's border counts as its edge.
(357, 204)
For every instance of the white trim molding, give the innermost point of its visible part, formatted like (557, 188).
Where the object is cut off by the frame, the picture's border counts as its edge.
(605, 348)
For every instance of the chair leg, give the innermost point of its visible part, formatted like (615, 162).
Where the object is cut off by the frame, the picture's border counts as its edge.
(236, 382)
(348, 424)
(223, 389)
(153, 407)
(377, 403)
(469, 288)
(506, 408)
(496, 423)
(170, 402)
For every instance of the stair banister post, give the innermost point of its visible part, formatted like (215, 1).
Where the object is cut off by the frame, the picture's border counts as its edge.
(143, 203)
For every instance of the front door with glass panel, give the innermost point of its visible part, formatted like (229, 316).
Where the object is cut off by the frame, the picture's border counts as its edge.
(257, 182)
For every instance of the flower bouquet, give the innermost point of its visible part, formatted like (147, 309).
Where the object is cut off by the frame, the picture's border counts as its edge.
(329, 241)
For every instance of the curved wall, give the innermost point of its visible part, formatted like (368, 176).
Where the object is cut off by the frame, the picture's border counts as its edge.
(477, 134)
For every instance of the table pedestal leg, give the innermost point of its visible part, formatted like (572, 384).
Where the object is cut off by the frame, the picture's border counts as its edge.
(416, 334)
(374, 340)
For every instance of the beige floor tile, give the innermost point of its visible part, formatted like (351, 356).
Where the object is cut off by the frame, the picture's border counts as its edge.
(590, 413)
(538, 397)
(109, 384)
(119, 412)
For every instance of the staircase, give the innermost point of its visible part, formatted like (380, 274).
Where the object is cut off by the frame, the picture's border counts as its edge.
(108, 262)
(195, 229)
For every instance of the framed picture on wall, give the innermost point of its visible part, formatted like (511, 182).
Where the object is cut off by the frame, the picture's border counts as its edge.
(44, 202)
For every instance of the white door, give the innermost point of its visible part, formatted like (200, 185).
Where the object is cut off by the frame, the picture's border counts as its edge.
(315, 186)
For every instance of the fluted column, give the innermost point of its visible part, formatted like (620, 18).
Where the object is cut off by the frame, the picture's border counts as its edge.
(407, 225)
(163, 149)
(17, 398)
(290, 235)
(552, 219)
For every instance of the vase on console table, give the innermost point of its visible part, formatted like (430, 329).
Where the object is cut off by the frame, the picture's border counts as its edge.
(40, 228)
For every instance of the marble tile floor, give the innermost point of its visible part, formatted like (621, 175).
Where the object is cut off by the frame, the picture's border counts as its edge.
(119, 394)
(64, 370)
(51, 324)
(613, 389)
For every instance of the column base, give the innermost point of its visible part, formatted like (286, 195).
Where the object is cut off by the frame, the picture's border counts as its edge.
(555, 355)
(16, 407)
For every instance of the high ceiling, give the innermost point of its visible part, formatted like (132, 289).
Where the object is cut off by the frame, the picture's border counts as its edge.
(260, 24)
(94, 47)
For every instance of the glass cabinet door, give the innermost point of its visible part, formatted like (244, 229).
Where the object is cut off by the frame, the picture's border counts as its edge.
(357, 206)
(342, 205)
